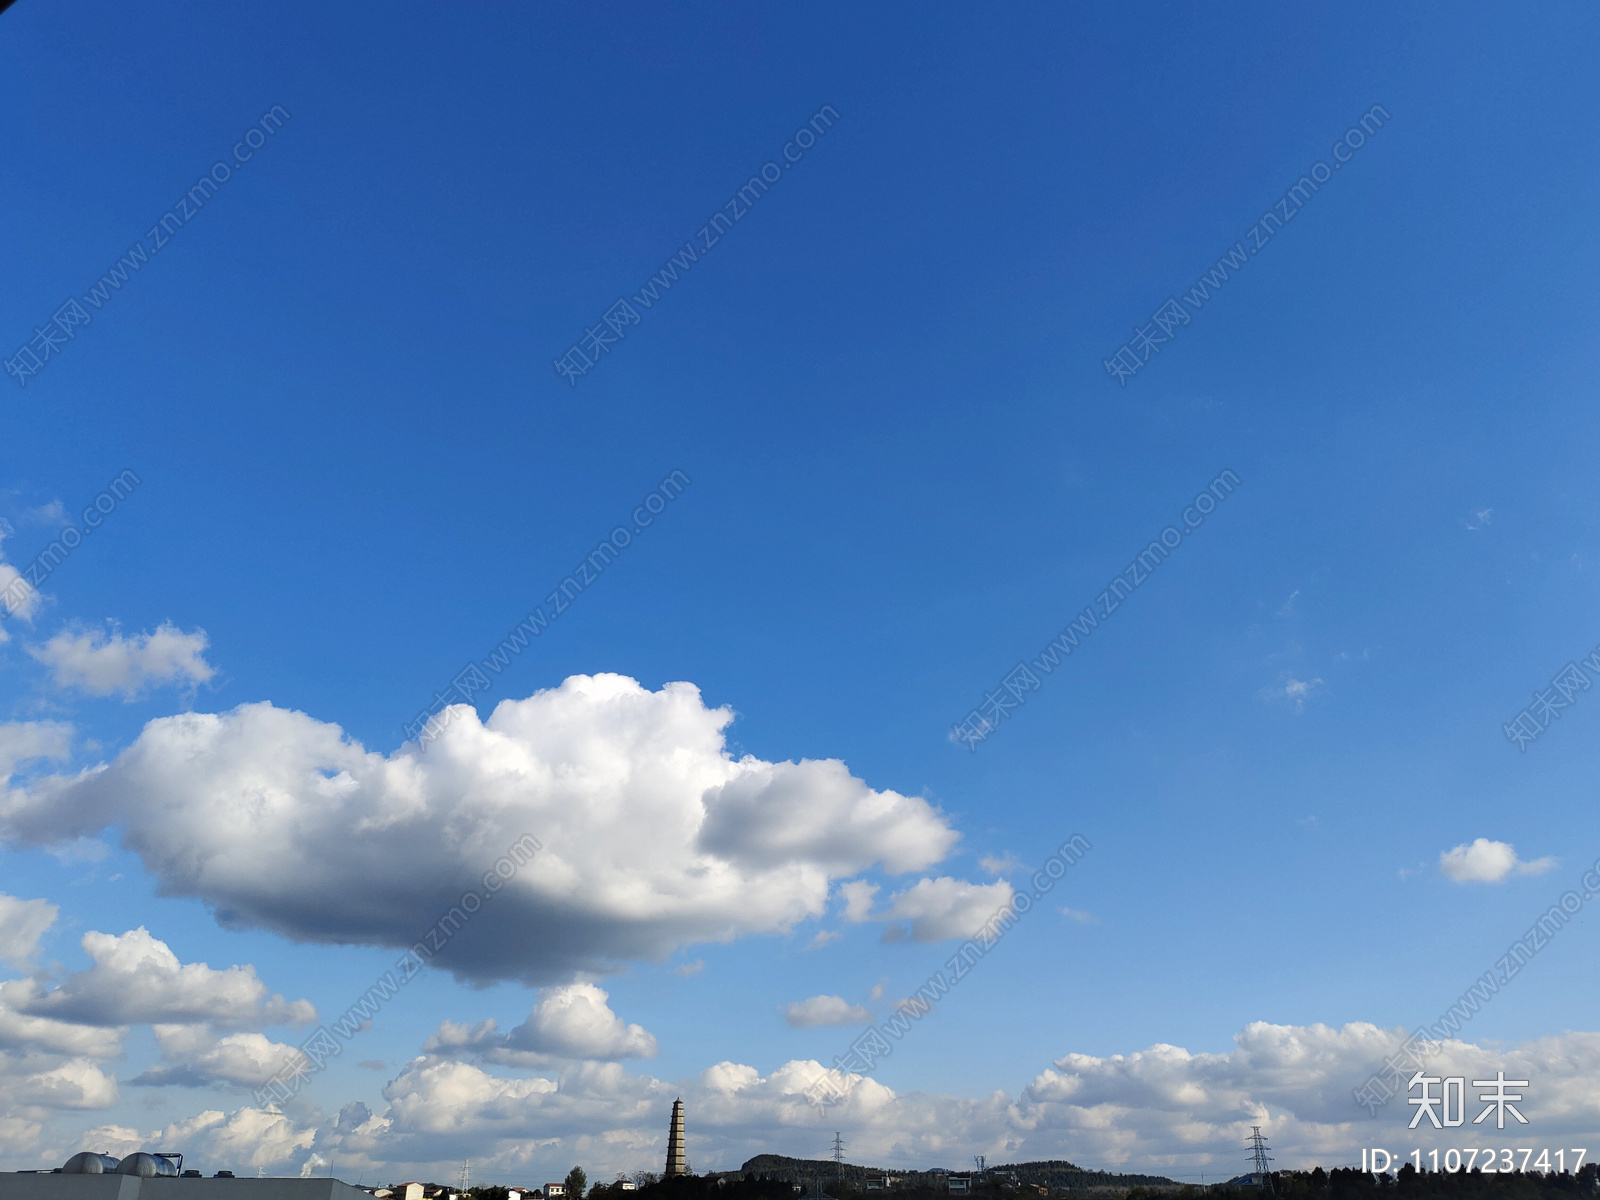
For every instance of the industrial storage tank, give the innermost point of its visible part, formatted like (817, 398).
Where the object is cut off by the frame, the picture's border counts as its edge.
(149, 1166)
(88, 1163)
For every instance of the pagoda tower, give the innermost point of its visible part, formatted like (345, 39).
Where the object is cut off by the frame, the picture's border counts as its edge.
(675, 1157)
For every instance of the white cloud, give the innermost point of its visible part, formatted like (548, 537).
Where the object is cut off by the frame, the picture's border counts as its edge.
(195, 1057)
(77, 1083)
(944, 908)
(822, 938)
(1483, 861)
(1077, 914)
(244, 1141)
(690, 968)
(105, 665)
(824, 1010)
(56, 1042)
(18, 597)
(22, 924)
(777, 814)
(571, 1022)
(858, 897)
(654, 837)
(1163, 1109)
(28, 741)
(137, 980)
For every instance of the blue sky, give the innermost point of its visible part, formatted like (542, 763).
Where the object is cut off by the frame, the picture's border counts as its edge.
(910, 469)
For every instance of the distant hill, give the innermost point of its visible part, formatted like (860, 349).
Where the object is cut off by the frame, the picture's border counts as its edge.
(1059, 1173)
(804, 1170)
(1056, 1174)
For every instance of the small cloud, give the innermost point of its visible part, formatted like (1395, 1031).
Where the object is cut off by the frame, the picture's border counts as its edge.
(1291, 691)
(824, 936)
(1484, 516)
(1288, 605)
(373, 1064)
(876, 993)
(1346, 656)
(1084, 918)
(1483, 861)
(688, 969)
(999, 866)
(825, 1010)
(105, 665)
(52, 513)
(894, 933)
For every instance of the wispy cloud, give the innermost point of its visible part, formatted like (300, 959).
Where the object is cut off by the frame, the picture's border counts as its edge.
(1000, 865)
(825, 1010)
(1292, 692)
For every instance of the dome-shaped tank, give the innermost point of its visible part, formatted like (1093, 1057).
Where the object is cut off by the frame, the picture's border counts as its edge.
(88, 1163)
(146, 1166)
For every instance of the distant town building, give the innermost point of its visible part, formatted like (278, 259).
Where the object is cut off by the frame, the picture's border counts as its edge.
(676, 1163)
(960, 1185)
(554, 1190)
(409, 1191)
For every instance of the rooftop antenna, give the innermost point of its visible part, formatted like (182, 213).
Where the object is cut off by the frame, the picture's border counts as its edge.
(838, 1154)
(1259, 1159)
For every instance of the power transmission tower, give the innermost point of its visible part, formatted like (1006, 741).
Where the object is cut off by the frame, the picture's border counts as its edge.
(466, 1174)
(978, 1160)
(838, 1154)
(1260, 1161)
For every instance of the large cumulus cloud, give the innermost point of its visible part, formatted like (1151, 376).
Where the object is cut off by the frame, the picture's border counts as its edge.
(653, 835)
